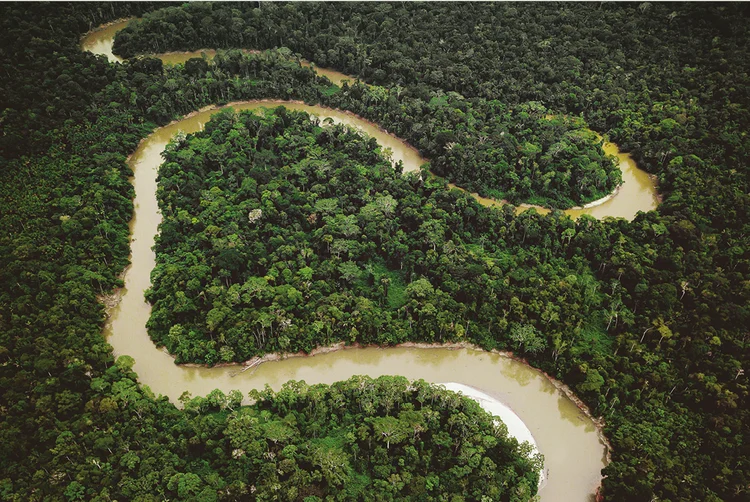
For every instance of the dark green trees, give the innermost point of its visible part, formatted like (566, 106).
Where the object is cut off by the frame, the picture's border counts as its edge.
(366, 439)
(666, 81)
(282, 234)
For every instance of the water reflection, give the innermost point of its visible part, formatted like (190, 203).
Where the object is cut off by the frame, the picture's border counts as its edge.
(519, 373)
(574, 415)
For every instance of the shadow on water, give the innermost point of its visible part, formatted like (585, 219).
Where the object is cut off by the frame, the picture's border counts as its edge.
(519, 373)
(571, 413)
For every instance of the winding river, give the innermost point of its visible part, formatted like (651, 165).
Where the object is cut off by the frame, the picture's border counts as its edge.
(100, 41)
(637, 192)
(574, 453)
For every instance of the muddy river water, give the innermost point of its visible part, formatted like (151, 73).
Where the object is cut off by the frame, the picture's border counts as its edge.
(568, 439)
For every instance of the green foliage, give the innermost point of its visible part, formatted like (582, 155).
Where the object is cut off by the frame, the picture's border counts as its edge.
(392, 283)
(528, 337)
(652, 333)
(520, 153)
(372, 439)
(318, 261)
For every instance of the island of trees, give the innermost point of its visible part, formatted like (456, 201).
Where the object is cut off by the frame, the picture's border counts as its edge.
(646, 319)
(281, 234)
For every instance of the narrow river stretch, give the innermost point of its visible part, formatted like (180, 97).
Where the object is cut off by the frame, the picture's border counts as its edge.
(568, 439)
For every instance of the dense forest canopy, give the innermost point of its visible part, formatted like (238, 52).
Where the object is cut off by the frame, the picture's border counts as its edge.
(661, 353)
(479, 141)
(281, 234)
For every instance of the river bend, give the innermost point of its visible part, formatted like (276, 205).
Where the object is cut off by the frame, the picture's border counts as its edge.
(569, 440)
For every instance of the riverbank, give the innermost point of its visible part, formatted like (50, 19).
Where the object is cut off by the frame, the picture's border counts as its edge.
(558, 423)
(636, 192)
(273, 103)
(103, 27)
(257, 361)
(516, 427)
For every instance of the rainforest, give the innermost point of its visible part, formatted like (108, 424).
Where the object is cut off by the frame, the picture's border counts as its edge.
(243, 243)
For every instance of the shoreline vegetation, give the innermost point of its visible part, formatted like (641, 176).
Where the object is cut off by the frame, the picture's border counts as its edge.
(194, 114)
(478, 197)
(112, 300)
(104, 26)
(378, 122)
(305, 63)
(644, 316)
(600, 201)
(256, 361)
(253, 363)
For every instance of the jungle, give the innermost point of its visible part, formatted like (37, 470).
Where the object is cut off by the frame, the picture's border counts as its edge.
(279, 219)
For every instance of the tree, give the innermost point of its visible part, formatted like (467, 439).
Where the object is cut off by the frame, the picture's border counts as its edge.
(333, 462)
(349, 270)
(390, 430)
(528, 337)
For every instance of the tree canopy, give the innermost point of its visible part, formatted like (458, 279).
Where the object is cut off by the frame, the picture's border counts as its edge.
(646, 320)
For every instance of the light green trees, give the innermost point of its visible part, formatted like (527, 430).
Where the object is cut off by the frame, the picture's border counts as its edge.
(528, 338)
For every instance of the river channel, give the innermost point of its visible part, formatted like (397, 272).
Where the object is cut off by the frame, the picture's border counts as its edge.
(637, 193)
(568, 439)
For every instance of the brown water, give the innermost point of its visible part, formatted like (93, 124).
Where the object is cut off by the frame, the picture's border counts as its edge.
(574, 454)
(637, 193)
(127, 332)
(100, 41)
(567, 438)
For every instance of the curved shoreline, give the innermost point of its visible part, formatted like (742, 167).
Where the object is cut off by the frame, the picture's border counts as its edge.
(515, 425)
(197, 377)
(489, 201)
(257, 361)
(178, 57)
(279, 102)
(573, 212)
(140, 171)
(601, 201)
(479, 198)
(104, 26)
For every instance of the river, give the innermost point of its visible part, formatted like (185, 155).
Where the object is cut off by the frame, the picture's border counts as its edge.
(100, 41)
(574, 453)
(637, 193)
